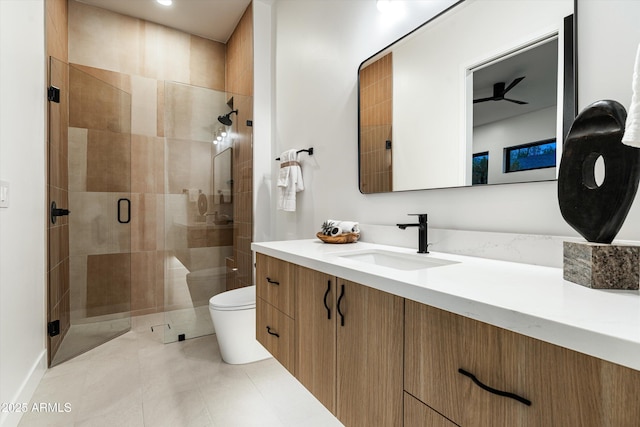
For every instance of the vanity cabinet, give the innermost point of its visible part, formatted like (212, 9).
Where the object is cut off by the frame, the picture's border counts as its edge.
(376, 359)
(274, 309)
(565, 388)
(349, 348)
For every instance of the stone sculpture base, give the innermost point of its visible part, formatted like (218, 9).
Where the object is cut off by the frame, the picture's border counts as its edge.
(602, 266)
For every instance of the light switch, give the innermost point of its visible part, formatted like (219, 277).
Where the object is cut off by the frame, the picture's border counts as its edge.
(4, 194)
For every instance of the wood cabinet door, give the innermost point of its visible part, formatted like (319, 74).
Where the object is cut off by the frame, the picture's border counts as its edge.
(369, 356)
(417, 414)
(274, 283)
(315, 334)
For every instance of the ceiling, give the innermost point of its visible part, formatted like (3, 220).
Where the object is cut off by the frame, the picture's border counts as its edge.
(211, 19)
(539, 65)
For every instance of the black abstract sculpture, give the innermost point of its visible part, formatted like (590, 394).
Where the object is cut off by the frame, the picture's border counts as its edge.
(595, 211)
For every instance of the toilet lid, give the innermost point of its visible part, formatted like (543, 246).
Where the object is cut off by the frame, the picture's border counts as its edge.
(241, 298)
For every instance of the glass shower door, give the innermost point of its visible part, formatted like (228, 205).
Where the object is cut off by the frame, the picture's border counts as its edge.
(198, 213)
(99, 201)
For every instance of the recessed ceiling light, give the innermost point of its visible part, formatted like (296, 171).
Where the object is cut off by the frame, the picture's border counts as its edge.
(165, 2)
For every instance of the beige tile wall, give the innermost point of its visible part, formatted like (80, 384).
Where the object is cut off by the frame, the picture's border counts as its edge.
(94, 104)
(108, 283)
(376, 116)
(107, 40)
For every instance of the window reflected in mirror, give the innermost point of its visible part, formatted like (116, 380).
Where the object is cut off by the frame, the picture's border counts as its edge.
(536, 155)
(480, 168)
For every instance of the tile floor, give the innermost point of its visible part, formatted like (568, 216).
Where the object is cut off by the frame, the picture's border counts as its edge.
(136, 380)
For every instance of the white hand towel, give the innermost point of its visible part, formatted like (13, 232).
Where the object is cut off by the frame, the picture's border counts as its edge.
(289, 180)
(632, 128)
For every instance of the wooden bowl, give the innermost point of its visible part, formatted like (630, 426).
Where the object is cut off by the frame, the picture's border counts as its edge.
(341, 238)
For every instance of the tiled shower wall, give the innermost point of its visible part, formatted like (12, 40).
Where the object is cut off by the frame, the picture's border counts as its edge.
(58, 182)
(239, 72)
(137, 57)
(376, 116)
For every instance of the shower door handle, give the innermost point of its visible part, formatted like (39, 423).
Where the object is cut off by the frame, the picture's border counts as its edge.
(128, 219)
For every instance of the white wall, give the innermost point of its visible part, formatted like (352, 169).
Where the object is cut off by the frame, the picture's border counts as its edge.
(22, 225)
(319, 46)
(263, 113)
(496, 136)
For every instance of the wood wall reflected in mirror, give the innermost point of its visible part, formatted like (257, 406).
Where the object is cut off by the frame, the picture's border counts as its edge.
(376, 115)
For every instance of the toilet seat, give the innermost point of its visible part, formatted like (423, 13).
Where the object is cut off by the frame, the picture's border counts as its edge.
(237, 299)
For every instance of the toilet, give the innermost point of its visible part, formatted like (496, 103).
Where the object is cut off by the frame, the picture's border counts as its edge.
(234, 319)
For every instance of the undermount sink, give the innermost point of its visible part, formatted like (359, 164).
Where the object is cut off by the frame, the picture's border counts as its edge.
(399, 261)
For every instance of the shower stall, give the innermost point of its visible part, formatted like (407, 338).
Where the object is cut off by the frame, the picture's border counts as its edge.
(150, 230)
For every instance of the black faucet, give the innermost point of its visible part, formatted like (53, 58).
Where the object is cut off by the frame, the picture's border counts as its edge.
(423, 246)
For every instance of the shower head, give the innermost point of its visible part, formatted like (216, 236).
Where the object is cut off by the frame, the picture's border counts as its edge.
(226, 119)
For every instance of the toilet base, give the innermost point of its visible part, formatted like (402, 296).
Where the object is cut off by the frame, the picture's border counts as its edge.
(236, 335)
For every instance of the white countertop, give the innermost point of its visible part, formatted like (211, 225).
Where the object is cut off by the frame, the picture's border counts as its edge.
(531, 300)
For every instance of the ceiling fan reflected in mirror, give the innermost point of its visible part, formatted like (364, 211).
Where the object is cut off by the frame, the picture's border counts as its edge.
(499, 92)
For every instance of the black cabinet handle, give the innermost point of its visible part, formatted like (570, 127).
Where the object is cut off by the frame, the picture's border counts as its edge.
(272, 333)
(273, 282)
(326, 294)
(120, 220)
(493, 390)
(338, 306)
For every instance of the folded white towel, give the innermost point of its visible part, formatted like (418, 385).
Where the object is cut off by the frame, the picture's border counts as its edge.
(350, 226)
(289, 180)
(346, 226)
(632, 128)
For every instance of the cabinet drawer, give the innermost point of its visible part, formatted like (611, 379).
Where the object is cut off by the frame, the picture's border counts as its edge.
(417, 414)
(274, 283)
(275, 331)
(439, 343)
(566, 388)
